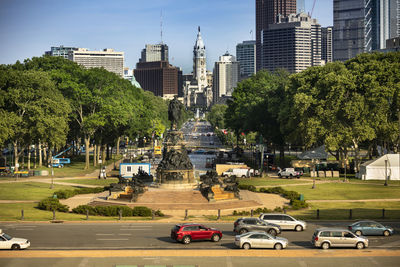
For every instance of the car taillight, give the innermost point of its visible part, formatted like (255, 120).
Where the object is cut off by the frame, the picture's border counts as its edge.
(316, 238)
(350, 228)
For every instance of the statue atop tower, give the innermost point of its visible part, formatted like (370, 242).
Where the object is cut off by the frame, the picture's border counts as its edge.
(199, 61)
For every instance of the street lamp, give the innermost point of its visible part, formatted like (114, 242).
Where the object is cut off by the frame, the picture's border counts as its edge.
(386, 176)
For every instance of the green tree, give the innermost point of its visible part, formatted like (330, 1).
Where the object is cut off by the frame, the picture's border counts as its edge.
(216, 116)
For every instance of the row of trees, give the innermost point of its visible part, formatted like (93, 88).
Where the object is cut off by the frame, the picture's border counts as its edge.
(51, 101)
(341, 105)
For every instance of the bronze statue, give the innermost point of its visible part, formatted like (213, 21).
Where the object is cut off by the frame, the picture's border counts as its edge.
(174, 112)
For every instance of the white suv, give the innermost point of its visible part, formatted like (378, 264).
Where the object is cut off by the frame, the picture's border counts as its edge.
(286, 222)
(289, 172)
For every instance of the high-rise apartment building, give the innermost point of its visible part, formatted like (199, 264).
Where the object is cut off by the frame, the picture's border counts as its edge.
(363, 26)
(108, 59)
(294, 44)
(246, 55)
(326, 44)
(267, 12)
(159, 77)
(60, 51)
(157, 52)
(226, 76)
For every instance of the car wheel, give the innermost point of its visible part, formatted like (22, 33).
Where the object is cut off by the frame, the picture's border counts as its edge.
(360, 245)
(386, 233)
(298, 228)
(15, 247)
(279, 175)
(215, 238)
(278, 246)
(243, 176)
(246, 246)
(242, 231)
(186, 240)
(325, 245)
(272, 232)
(358, 232)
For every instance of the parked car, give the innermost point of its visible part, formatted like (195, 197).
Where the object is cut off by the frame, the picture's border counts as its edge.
(260, 240)
(370, 228)
(238, 172)
(288, 173)
(8, 242)
(244, 225)
(286, 222)
(336, 237)
(187, 233)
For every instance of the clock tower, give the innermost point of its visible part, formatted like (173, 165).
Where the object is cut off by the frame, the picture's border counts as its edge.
(199, 62)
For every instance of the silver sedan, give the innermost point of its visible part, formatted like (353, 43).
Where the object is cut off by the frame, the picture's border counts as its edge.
(260, 240)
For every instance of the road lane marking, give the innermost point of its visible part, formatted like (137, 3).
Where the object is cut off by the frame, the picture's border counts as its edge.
(25, 229)
(104, 234)
(133, 226)
(136, 229)
(112, 239)
(124, 234)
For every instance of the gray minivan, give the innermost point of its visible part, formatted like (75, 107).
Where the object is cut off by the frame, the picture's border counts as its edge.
(336, 237)
(286, 222)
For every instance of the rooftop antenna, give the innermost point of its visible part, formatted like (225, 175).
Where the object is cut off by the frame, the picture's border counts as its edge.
(161, 26)
(251, 34)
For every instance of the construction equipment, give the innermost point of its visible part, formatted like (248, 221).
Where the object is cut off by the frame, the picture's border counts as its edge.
(59, 162)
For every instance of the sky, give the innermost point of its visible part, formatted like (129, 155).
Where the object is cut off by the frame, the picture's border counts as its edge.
(28, 28)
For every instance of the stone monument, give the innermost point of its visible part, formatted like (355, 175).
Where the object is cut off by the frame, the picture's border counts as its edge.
(175, 171)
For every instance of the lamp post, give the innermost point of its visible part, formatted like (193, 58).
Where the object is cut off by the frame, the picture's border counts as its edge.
(52, 173)
(386, 176)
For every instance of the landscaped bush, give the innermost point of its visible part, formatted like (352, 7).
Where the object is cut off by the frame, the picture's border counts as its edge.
(112, 211)
(52, 204)
(251, 188)
(64, 194)
(298, 204)
(293, 196)
(256, 211)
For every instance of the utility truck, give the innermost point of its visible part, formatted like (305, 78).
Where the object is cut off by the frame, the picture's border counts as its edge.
(237, 172)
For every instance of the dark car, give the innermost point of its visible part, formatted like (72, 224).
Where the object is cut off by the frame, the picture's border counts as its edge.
(244, 225)
(370, 228)
(187, 233)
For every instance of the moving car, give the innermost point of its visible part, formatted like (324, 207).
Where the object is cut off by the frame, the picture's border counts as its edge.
(244, 225)
(286, 222)
(8, 242)
(187, 233)
(335, 237)
(370, 228)
(260, 240)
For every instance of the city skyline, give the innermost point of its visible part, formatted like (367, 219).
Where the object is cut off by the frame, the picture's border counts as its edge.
(32, 27)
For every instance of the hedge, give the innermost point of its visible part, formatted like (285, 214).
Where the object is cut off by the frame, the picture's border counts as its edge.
(114, 211)
(64, 194)
(293, 196)
(52, 204)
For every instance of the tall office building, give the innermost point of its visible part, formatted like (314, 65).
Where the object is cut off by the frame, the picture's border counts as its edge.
(326, 44)
(246, 55)
(226, 76)
(157, 52)
(60, 51)
(363, 26)
(267, 12)
(294, 44)
(159, 77)
(108, 59)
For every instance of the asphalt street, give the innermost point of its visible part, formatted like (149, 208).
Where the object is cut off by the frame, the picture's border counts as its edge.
(84, 236)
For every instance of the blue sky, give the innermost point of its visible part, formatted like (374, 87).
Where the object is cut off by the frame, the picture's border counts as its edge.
(30, 27)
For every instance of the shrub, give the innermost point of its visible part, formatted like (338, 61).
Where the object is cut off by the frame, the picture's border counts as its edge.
(64, 194)
(298, 204)
(81, 209)
(112, 211)
(251, 188)
(52, 204)
(141, 211)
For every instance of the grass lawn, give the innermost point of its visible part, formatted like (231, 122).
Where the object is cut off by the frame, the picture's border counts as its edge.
(28, 191)
(347, 191)
(102, 182)
(12, 212)
(270, 181)
(340, 211)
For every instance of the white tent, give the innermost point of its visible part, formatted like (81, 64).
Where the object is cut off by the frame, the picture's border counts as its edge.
(375, 169)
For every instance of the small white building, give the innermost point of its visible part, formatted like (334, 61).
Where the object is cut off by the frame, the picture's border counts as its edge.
(376, 169)
(128, 170)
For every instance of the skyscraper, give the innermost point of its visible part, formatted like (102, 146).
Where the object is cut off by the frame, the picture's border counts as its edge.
(226, 76)
(266, 14)
(157, 52)
(326, 44)
(60, 51)
(363, 26)
(294, 44)
(246, 55)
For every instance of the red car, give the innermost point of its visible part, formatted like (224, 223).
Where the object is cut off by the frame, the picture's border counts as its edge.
(185, 233)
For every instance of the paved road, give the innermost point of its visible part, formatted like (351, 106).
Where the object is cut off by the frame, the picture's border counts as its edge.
(84, 236)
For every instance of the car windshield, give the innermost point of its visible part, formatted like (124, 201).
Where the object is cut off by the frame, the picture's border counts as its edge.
(7, 237)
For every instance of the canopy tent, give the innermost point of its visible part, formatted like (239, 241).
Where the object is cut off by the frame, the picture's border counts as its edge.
(375, 169)
(317, 153)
